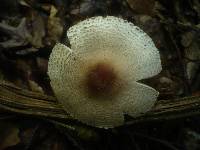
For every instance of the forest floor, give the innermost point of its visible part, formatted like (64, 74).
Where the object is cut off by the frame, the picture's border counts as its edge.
(30, 28)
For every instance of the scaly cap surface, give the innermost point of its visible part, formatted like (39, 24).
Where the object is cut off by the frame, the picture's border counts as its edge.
(96, 79)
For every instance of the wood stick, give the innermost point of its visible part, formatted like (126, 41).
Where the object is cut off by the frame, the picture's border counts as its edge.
(16, 100)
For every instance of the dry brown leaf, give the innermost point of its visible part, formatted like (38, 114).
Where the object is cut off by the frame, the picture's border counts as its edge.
(142, 6)
(37, 30)
(9, 135)
(19, 36)
(35, 87)
(54, 27)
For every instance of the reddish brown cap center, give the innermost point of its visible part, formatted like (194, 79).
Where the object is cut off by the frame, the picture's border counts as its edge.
(101, 79)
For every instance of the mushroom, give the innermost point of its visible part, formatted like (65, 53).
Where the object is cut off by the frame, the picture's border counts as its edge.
(96, 79)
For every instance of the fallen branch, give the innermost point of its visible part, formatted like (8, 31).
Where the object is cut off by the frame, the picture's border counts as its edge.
(17, 100)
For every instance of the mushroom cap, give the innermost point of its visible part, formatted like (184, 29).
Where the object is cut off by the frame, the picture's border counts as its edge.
(96, 79)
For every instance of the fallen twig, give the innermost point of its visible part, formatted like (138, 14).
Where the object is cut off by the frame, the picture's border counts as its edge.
(17, 100)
